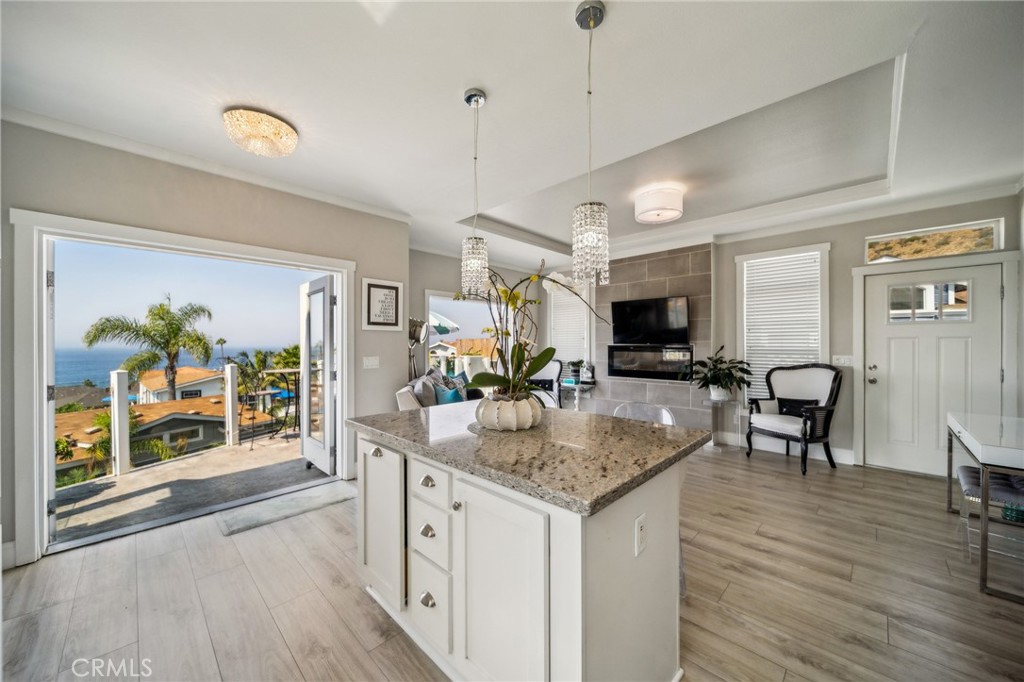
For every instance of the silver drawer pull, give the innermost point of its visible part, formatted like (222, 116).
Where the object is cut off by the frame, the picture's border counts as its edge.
(427, 600)
(377, 452)
(427, 531)
(427, 481)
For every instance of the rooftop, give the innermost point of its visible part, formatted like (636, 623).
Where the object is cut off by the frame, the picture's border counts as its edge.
(154, 379)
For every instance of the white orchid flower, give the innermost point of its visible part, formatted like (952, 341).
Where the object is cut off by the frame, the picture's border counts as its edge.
(559, 279)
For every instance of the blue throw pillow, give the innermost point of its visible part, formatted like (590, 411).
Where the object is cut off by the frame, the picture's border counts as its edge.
(447, 396)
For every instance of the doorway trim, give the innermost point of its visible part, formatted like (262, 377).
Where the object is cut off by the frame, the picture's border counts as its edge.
(32, 229)
(1010, 261)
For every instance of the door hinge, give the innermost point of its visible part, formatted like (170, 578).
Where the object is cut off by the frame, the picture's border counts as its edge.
(51, 507)
(1002, 292)
(334, 451)
(334, 375)
(1002, 376)
(51, 393)
(50, 279)
(334, 300)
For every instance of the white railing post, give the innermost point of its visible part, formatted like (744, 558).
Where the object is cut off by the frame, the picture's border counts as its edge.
(231, 404)
(120, 439)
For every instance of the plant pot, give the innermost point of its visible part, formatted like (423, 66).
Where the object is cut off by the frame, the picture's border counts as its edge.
(719, 393)
(503, 414)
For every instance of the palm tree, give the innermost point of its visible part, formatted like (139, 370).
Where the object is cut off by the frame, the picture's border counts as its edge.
(102, 446)
(161, 337)
(220, 342)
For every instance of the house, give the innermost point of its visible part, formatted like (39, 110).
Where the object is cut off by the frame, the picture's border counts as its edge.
(185, 426)
(748, 155)
(191, 382)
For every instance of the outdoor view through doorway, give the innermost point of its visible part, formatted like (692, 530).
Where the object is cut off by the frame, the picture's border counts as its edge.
(172, 323)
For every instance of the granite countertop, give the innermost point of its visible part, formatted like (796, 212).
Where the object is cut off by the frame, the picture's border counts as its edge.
(575, 460)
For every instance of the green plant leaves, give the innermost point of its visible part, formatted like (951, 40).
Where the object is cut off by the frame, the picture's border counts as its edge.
(539, 362)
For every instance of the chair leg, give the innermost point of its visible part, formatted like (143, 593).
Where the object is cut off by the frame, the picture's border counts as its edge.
(828, 453)
(787, 448)
(803, 457)
(750, 441)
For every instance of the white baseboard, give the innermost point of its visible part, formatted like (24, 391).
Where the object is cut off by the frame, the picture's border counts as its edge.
(8, 555)
(814, 450)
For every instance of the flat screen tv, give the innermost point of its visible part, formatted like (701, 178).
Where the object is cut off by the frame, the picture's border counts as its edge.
(651, 320)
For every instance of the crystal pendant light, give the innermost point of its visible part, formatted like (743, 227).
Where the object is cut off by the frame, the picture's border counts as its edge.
(474, 248)
(590, 219)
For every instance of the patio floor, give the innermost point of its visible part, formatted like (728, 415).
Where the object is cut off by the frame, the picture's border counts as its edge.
(180, 486)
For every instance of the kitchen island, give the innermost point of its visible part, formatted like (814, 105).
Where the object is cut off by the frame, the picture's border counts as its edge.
(551, 553)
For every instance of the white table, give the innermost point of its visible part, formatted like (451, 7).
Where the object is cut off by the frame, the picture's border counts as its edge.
(997, 444)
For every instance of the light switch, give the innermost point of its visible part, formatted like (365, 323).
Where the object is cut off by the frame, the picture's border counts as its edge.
(842, 360)
(371, 362)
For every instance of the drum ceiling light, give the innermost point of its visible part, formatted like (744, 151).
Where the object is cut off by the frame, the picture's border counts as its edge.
(656, 204)
(260, 133)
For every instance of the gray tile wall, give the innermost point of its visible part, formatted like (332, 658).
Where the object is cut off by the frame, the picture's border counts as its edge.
(680, 272)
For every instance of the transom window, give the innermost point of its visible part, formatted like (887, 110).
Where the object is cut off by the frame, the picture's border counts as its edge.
(934, 242)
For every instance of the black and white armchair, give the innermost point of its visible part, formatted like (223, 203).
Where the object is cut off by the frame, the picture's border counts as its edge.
(801, 402)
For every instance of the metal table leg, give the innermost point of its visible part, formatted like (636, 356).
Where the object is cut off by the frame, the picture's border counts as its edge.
(983, 543)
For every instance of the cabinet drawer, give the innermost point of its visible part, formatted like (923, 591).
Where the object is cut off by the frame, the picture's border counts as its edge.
(430, 601)
(429, 482)
(429, 532)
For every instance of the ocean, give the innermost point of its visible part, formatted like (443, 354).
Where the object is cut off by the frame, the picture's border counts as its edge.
(75, 365)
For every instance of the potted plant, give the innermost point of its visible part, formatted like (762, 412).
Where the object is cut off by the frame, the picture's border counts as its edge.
(721, 374)
(511, 405)
(574, 369)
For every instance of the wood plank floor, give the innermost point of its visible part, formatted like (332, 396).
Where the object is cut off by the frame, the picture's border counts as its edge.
(852, 574)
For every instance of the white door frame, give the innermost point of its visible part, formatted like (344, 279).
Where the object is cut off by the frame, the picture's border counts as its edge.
(32, 231)
(1010, 310)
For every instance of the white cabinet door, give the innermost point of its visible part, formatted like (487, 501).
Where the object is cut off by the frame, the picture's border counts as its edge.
(500, 579)
(382, 541)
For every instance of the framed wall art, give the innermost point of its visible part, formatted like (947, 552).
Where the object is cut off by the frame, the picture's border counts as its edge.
(382, 305)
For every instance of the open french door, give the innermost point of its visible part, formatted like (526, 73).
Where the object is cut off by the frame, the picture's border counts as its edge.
(319, 377)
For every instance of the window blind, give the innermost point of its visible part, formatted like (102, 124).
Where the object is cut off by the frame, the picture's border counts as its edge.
(782, 314)
(568, 328)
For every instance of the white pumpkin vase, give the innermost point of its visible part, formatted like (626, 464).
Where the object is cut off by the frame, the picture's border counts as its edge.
(503, 414)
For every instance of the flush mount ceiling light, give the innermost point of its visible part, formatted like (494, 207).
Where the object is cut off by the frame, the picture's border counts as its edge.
(260, 133)
(590, 219)
(661, 203)
(474, 248)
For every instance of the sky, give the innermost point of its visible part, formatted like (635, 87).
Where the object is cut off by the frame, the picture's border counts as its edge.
(471, 316)
(252, 305)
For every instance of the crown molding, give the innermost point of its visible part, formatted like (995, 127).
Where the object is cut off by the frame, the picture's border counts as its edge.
(502, 229)
(97, 137)
(438, 252)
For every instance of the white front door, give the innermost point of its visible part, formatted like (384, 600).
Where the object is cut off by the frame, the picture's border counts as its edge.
(932, 344)
(319, 374)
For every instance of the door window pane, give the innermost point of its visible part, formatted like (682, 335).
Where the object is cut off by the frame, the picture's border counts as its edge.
(946, 301)
(315, 334)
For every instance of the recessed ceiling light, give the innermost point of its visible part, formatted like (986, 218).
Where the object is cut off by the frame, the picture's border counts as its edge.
(260, 133)
(660, 203)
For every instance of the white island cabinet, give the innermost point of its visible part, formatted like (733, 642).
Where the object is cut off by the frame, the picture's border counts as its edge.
(550, 554)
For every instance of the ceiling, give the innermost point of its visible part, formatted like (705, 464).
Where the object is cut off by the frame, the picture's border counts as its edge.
(770, 113)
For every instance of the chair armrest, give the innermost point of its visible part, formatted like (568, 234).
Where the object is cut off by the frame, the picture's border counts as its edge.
(817, 420)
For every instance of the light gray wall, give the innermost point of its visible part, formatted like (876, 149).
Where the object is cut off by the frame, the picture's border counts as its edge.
(1020, 311)
(847, 252)
(44, 172)
(429, 271)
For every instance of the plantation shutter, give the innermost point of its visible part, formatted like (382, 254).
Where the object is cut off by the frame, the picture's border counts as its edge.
(782, 314)
(568, 329)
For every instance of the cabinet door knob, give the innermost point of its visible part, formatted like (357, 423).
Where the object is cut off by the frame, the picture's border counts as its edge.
(377, 452)
(427, 481)
(427, 600)
(427, 531)
(456, 505)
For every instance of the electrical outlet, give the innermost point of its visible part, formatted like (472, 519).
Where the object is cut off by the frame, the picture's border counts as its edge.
(639, 534)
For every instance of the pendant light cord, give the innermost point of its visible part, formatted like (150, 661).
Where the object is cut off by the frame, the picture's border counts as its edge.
(590, 125)
(476, 145)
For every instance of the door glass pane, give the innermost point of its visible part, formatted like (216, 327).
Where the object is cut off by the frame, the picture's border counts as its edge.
(955, 299)
(315, 334)
(900, 309)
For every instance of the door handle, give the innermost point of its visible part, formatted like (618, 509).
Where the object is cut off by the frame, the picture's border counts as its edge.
(456, 505)
(427, 600)
(427, 481)
(377, 452)
(872, 380)
(427, 531)
(872, 368)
